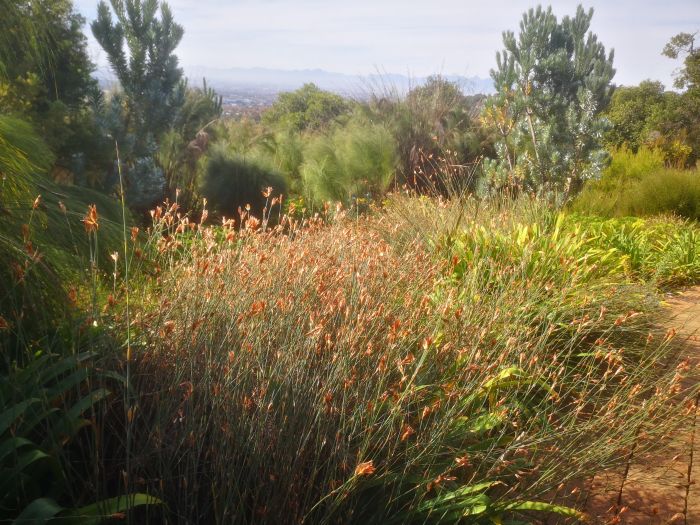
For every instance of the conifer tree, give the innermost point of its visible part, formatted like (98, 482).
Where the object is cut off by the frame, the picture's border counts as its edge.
(686, 107)
(140, 47)
(552, 82)
(684, 44)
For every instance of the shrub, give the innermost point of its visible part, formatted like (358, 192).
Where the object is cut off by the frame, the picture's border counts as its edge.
(307, 108)
(279, 150)
(43, 246)
(433, 121)
(146, 184)
(230, 183)
(243, 136)
(628, 166)
(668, 191)
(356, 161)
(634, 111)
(638, 184)
(288, 156)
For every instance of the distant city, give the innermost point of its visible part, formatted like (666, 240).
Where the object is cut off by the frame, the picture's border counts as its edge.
(247, 91)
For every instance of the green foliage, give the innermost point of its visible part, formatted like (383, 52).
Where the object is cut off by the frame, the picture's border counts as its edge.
(351, 162)
(639, 184)
(245, 136)
(45, 73)
(668, 191)
(180, 164)
(231, 182)
(140, 48)
(201, 107)
(679, 129)
(48, 401)
(43, 56)
(684, 44)
(149, 72)
(282, 149)
(307, 108)
(552, 82)
(677, 126)
(43, 245)
(45, 407)
(288, 156)
(662, 250)
(49, 393)
(646, 115)
(633, 112)
(27, 40)
(33, 431)
(22, 154)
(433, 127)
(180, 152)
(627, 166)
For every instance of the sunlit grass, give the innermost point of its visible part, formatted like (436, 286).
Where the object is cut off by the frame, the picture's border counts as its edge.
(436, 360)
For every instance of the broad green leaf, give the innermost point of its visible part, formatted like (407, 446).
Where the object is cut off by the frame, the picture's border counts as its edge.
(81, 406)
(96, 513)
(38, 511)
(545, 507)
(485, 422)
(59, 368)
(9, 477)
(31, 371)
(463, 496)
(12, 445)
(11, 414)
(35, 417)
(67, 383)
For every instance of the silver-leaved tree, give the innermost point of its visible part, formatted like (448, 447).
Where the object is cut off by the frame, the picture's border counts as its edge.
(140, 48)
(553, 80)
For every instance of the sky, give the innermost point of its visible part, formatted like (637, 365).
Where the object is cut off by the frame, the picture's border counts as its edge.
(411, 37)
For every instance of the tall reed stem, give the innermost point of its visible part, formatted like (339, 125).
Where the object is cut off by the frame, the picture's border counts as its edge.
(129, 410)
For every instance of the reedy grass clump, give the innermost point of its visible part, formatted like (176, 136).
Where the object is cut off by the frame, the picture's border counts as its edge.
(639, 184)
(45, 255)
(53, 383)
(349, 163)
(371, 371)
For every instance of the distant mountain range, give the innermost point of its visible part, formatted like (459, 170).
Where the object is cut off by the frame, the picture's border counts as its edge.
(278, 80)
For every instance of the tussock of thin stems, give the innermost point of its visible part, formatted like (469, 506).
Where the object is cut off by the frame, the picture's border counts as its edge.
(356, 371)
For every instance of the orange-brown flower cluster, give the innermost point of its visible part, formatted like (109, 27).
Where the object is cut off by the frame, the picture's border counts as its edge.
(90, 221)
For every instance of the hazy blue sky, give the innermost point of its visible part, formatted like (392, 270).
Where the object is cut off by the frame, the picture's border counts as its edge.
(406, 36)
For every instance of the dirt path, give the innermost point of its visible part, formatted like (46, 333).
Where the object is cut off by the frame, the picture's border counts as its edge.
(656, 485)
